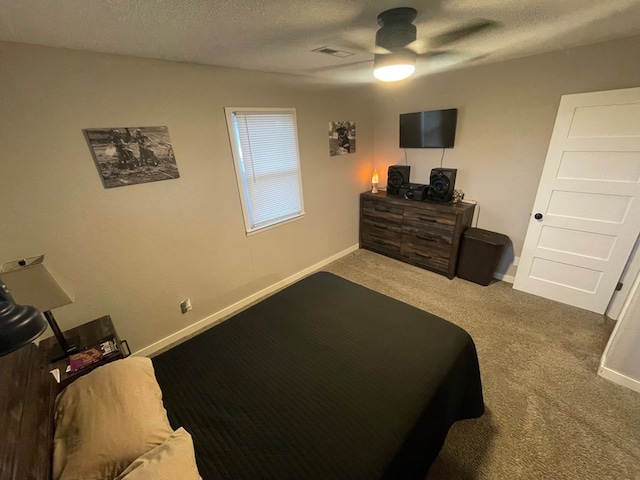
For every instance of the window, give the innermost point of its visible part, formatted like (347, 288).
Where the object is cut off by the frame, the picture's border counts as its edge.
(264, 143)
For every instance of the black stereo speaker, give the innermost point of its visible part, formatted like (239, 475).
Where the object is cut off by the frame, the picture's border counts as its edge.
(441, 185)
(397, 175)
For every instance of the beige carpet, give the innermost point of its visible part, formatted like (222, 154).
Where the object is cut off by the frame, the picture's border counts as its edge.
(548, 414)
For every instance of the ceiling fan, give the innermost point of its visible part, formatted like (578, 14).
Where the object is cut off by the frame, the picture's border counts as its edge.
(397, 46)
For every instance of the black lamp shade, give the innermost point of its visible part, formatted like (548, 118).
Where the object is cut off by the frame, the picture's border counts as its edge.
(19, 325)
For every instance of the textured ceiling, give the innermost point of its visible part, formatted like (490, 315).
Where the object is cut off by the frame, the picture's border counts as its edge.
(278, 35)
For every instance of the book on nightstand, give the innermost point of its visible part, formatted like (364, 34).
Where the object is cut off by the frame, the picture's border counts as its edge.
(85, 358)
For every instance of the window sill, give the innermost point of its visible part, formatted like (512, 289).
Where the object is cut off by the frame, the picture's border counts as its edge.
(275, 225)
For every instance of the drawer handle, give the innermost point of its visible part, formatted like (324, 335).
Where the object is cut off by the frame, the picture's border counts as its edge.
(385, 244)
(432, 220)
(428, 239)
(381, 227)
(422, 255)
(381, 209)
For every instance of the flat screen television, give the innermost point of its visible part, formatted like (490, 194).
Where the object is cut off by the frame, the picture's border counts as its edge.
(432, 129)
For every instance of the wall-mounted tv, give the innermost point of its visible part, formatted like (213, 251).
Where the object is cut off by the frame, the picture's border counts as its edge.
(432, 129)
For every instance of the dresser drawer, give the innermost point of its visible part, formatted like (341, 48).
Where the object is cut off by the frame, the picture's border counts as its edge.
(428, 239)
(380, 236)
(431, 259)
(419, 217)
(384, 212)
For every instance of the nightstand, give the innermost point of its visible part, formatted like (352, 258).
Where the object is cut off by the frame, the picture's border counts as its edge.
(87, 335)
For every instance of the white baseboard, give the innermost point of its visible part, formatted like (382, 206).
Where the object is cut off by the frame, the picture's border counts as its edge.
(223, 314)
(504, 277)
(619, 378)
(508, 278)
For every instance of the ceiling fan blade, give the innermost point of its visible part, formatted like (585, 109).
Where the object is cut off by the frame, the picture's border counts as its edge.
(456, 34)
(336, 67)
(447, 58)
(378, 50)
(350, 46)
(419, 46)
(437, 53)
(358, 48)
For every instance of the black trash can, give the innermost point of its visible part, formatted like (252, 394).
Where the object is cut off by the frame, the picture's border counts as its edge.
(479, 255)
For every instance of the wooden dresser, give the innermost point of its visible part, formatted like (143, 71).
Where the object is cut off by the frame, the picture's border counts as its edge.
(425, 234)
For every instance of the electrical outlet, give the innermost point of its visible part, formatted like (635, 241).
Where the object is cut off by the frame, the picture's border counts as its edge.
(185, 306)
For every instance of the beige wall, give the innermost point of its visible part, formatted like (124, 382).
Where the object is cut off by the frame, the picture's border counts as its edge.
(506, 115)
(135, 252)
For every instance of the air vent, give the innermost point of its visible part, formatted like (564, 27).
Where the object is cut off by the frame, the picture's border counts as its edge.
(333, 52)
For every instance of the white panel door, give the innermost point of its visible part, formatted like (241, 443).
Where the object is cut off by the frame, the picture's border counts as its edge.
(586, 216)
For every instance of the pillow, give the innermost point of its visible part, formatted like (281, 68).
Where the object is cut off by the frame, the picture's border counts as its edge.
(106, 419)
(171, 460)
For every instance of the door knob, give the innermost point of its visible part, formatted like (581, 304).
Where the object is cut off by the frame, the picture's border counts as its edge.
(538, 216)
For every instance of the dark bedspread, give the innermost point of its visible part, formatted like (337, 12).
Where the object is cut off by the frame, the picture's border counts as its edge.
(323, 380)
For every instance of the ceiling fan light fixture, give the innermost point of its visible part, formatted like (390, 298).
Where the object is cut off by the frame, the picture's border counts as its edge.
(394, 67)
(394, 73)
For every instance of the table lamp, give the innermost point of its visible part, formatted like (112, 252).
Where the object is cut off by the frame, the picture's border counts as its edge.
(19, 324)
(34, 290)
(374, 181)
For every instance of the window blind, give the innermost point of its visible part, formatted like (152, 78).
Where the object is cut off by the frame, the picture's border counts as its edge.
(269, 166)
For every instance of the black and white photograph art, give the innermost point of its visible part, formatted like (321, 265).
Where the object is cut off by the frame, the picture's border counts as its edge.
(132, 155)
(342, 138)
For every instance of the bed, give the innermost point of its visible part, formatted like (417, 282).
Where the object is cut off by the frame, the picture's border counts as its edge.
(324, 379)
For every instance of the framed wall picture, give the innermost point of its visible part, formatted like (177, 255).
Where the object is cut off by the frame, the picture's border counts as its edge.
(342, 138)
(132, 155)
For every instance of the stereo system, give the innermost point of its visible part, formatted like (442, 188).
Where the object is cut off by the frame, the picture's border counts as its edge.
(414, 191)
(441, 185)
(397, 176)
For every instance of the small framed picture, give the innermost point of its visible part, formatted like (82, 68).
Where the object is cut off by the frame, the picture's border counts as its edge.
(342, 138)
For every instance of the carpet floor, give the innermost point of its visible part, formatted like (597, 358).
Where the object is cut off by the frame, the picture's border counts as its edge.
(548, 414)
